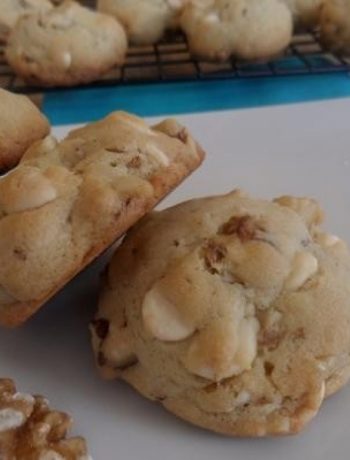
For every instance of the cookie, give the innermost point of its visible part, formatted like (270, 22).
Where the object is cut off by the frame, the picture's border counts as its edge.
(247, 29)
(12, 10)
(144, 21)
(306, 13)
(232, 312)
(67, 202)
(65, 46)
(335, 26)
(21, 124)
(30, 430)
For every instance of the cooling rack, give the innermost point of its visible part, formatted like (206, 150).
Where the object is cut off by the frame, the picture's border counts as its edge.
(170, 61)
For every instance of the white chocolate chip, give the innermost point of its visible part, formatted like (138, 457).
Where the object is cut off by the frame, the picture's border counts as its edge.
(118, 347)
(322, 367)
(247, 348)
(162, 320)
(268, 408)
(284, 425)
(158, 154)
(50, 455)
(212, 18)
(306, 414)
(304, 266)
(25, 188)
(198, 362)
(322, 391)
(227, 277)
(224, 349)
(242, 398)
(326, 240)
(25, 397)
(67, 59)
(40, 148)
(175, 4)
(206, 372)
(10, 419)
(49, 143)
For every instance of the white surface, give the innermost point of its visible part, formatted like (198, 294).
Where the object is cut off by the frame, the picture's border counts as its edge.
(299, 149)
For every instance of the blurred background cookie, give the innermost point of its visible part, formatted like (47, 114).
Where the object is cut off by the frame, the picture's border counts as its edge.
(30, 430)
(12, 10)
(232, 312)
(335, 25)
(145, 21)
(21, 124)
(66, 45)
(306, 13)
(248, 29)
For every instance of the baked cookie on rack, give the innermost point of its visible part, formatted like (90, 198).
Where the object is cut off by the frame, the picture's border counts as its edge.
(232, 312)
(335, 25)
(247, 29)
(145, 21)
(68, 202)
(12, 10)
(21, 124)
(65, 46)
(306, 13)
(30, 430)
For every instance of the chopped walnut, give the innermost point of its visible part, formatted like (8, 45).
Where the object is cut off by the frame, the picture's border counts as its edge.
(244, 226)
(101, 326)
(30, 430)
(135, 162)
(182, 135)
(213, 254)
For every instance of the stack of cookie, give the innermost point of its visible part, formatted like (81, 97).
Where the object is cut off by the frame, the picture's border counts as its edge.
(61, 207)
(69, 44)
(222, 308)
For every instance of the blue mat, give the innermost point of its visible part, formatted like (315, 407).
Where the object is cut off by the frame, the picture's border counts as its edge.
(75, 106)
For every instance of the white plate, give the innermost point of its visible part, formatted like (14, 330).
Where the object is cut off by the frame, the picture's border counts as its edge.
(303, 149)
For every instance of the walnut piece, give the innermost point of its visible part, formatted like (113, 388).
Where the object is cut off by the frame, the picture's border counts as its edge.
(244, 226)
(30, 430)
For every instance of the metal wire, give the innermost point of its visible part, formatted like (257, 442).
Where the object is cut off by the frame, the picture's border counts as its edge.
(170, 61)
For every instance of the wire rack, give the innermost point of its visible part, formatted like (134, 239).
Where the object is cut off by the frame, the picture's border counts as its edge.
(170, 61)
